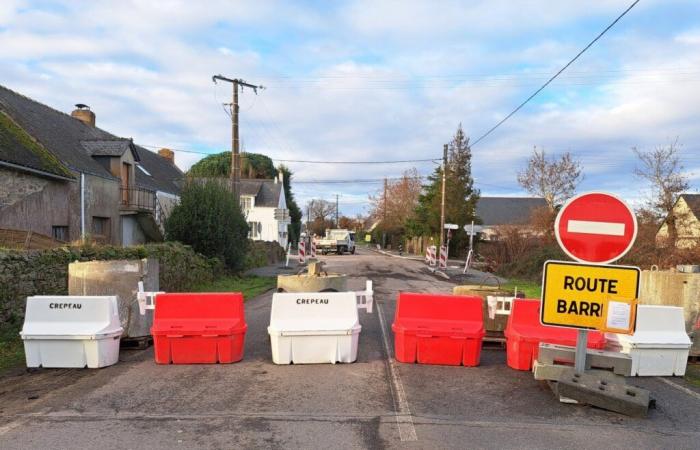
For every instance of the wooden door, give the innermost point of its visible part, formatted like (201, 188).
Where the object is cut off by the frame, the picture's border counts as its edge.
(126, 182)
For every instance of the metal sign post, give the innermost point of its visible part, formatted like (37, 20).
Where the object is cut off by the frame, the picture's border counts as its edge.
(581, 344)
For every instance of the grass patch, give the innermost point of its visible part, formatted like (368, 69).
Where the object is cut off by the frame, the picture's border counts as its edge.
(11, 348)
(692, 374)
(250, 286)
(531, 289)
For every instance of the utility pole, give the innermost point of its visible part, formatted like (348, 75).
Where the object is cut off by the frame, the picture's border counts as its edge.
(235, 140)
(442, 201)
(337, 224)
(384, 220)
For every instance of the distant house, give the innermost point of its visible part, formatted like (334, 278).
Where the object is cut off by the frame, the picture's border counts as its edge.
(495, 212)
(62, 176)
(264, 205)
(687, 215)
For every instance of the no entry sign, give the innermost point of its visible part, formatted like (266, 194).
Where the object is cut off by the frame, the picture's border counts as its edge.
(596, 227)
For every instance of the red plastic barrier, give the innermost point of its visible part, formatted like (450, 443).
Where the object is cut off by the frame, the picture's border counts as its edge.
(201, 328)
(524, 332)
(438, 329)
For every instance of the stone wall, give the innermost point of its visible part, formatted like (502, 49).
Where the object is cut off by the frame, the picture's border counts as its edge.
(45, 272)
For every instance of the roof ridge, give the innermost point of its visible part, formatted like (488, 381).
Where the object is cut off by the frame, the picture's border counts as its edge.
(53, 109)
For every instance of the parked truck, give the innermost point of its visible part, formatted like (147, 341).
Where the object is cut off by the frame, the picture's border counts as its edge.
(336, 241)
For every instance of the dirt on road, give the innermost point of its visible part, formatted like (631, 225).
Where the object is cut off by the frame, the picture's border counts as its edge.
(373, 403)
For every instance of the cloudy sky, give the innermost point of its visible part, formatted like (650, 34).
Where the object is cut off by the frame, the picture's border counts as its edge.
(373, 80)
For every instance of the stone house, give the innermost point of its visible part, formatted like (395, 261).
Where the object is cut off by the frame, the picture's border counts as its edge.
(686, 212)
(62, 176)
(497, 212)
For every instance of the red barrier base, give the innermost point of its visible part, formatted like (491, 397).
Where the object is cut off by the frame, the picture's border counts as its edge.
(199, 349)
(441, 350)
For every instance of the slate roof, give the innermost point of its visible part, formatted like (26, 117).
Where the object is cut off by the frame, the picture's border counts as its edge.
(74, 143)
(19, 149)
(163, 176)
(507, 210)
(267, 192)
(693, 201)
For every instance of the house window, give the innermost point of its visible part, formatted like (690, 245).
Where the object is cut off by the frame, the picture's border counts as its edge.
(60, 232)
(100, 227)
(246, 203)
(255, 230)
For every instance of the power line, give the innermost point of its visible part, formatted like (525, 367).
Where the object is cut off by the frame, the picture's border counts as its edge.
(556, 74)
(393, 161)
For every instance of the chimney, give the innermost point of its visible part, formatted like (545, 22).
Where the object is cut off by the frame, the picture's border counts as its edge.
(82, 112)
(167, 154)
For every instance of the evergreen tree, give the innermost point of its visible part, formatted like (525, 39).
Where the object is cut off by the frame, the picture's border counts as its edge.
(253, 165)
(294, 211)
(460, 196)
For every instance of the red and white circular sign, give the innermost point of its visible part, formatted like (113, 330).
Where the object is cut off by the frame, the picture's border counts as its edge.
(596, 227)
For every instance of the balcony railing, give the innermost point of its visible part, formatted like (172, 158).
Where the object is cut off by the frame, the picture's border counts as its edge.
(137, 198)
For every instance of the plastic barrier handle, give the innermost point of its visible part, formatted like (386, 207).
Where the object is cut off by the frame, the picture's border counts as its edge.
(143, 297)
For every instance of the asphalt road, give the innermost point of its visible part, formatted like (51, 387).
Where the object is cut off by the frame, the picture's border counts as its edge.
(373, 403)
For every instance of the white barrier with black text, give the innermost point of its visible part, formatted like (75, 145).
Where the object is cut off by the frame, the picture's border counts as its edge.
(71, 331)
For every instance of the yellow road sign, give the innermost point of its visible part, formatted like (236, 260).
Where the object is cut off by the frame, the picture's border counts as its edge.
(590, 296)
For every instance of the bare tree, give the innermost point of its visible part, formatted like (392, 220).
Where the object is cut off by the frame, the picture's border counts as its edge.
(401, 200)
(661, 167)
(554, 179)
(322, 210)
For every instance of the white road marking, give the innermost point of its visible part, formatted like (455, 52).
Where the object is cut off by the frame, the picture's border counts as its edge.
(690, 392)
(404, 419)
(591, 227)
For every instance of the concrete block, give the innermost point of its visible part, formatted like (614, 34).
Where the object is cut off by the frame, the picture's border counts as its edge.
(552, 372)
(305, 283)
(619, 363)
(593, 390)
(120, 278)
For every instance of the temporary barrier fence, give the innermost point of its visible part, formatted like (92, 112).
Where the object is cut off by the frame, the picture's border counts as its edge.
(443, 257)
(438, 329)
(659, 345)
(312, 328)
(312, 253)
(195, 328)
(302, 252)
(71, 331)
(524, 332)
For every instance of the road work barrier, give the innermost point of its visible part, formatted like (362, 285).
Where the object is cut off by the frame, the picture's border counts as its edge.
(71, 331)
(659, 345)
(314, 327)
(443, 257)
(524, 332)
(431, 255)
(302, 252)
(438, 329)
(312, 253)
(201, 328)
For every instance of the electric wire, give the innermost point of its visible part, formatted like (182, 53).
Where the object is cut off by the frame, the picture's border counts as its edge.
(512, 113)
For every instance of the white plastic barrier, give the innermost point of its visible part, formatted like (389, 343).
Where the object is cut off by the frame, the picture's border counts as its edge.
(659, 345)
(71, 331)
(365, 299)
(498, 305)
(314, 327)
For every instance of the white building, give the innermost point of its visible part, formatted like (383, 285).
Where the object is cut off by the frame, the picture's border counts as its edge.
(264, 204)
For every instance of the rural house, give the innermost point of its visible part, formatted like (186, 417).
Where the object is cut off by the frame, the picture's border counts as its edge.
(63, 177)
(686, 212)
(264, 204)
(495, 212)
